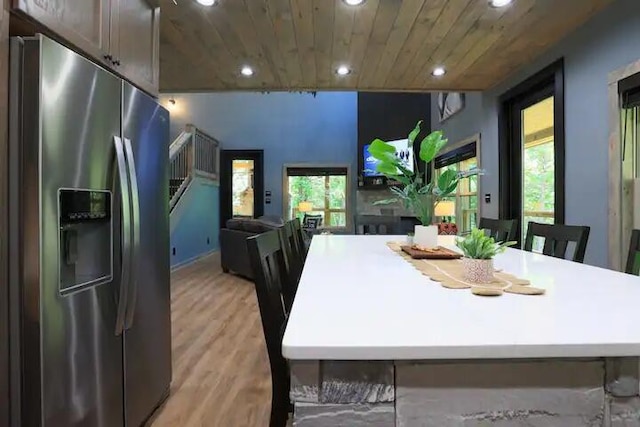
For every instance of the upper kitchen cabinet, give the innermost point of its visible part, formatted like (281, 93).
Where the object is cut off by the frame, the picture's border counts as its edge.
(135, 34)
(84, 23)
(123, 35)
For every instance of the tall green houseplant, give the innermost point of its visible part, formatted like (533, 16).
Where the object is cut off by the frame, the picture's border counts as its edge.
(417, 195)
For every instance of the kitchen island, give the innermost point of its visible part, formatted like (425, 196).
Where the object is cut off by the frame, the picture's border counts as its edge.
(373, 342)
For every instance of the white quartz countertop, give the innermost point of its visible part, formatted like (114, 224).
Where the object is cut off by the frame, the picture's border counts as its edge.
(358, 300)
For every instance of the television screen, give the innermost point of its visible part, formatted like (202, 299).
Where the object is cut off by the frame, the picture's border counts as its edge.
(404, 152)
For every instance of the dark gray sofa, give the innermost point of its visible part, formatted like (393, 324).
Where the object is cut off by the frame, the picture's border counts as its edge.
(234, 255)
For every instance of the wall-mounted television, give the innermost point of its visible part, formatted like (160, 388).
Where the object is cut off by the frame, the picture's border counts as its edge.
(404, 151)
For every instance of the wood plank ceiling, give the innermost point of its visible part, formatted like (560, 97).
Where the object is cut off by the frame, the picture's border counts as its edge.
(389, 45)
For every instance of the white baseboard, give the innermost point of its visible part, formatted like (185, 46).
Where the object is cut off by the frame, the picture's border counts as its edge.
(214, 253)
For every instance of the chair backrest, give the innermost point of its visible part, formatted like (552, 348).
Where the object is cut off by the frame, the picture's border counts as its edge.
(293, 262)
(299, 236)
(557, 237)
(633, 260)
(312, 221)
(377, 224)
(503, 230)
(268, 264)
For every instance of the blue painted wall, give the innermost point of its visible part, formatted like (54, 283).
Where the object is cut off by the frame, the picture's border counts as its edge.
(289, 127)
(609, 41)
(195, 219)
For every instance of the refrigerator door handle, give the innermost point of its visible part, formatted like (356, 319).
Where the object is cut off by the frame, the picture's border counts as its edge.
(135, 232)
(125, 276)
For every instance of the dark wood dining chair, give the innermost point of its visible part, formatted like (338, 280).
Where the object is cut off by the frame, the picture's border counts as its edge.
(300, 237)
(268, 264)
(311, 222)
(633, 259)
(557, 237)
(293, 263)
(502, 230)
(377, 224)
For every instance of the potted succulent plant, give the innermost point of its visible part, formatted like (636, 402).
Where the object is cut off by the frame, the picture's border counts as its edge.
(413, 191)
(479, 251)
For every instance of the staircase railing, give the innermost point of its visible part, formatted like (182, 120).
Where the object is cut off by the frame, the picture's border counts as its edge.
(193, 153)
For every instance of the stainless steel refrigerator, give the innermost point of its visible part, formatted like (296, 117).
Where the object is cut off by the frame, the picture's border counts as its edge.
(89, 264)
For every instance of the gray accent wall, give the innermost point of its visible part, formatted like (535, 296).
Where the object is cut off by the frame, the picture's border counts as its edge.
(463, 125)
(610, 40)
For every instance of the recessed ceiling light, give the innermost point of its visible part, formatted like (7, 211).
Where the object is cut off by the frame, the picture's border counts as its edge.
(207, 2)
(246, 71)
(353, 2)
(438, 71)
(343, 70)
(499, 3)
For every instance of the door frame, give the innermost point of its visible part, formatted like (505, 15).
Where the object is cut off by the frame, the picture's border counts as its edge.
(616, 252)
(549, 81)
(225, 189)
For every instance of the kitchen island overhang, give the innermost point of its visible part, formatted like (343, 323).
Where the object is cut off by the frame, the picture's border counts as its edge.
(562, 360)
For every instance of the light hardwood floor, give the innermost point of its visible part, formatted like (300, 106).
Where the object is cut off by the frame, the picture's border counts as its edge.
(221, 371)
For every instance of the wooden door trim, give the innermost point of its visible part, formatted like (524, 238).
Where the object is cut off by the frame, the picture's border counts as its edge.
(616, 255)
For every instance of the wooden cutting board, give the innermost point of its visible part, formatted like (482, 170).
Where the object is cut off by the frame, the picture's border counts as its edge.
(436, 253)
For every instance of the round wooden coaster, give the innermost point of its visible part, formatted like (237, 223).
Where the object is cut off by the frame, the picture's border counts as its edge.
(437, 277)
(486, 292)
(524, 290)
(454, 285)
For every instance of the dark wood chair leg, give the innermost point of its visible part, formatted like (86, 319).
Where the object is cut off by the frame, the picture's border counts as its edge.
(280, 406)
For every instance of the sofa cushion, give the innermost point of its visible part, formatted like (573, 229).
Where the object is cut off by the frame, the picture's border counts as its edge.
(274, 220)
(251, 225)
(236, 224)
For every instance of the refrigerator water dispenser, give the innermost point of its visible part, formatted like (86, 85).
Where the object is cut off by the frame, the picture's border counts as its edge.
(85, 241)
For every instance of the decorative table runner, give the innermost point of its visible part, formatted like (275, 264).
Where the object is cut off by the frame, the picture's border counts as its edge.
(449, 273)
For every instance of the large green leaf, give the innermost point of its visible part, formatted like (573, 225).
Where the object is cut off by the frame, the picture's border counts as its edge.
(387, 168)
(404, 170)
(427, 189)
(447, 178)
(380, 149)
(451, 188)
(415, 132)
(398, 191)
(431, 146)
(386, 201)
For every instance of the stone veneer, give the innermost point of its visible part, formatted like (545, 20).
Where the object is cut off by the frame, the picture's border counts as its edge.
(365, 200)
(500, 393)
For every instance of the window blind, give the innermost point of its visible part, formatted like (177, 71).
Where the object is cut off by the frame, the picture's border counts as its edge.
(629, 90)
(455, 156)
(311, 171)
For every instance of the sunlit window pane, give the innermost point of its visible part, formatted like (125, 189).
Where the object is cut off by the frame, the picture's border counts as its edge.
(326, 194)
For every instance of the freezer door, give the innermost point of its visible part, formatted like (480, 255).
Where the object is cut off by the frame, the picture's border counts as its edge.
(145, 131)
(72, 357)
